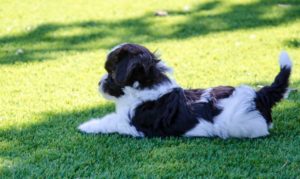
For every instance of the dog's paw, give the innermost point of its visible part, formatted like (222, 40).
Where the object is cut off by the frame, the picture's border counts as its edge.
(92, 127)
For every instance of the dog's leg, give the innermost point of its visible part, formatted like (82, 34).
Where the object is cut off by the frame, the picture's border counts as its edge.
(111, 123)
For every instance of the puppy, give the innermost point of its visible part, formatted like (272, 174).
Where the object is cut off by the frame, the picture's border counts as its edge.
(150, 104)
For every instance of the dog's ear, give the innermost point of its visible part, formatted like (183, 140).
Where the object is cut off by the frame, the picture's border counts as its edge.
(127, 69)
(134, 64)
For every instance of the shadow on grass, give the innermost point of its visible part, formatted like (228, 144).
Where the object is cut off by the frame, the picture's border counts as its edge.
(53, 147)
(44, 41)
(293, 43)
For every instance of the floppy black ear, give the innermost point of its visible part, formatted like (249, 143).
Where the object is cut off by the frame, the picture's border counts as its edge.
(129, 70)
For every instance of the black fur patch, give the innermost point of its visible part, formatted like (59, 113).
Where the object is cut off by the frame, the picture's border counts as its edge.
(170, 115)
(221, 92)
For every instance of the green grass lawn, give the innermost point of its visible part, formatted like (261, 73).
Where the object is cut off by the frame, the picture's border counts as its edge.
(51, 59)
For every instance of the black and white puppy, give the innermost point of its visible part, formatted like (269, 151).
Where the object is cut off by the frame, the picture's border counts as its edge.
(150, 104)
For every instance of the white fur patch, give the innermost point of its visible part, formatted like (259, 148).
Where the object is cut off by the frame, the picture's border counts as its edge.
(205, 97)
(284, 60)
(136, 84)
(110, 123)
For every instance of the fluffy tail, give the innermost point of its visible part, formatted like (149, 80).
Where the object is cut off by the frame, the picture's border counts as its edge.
(268, 96)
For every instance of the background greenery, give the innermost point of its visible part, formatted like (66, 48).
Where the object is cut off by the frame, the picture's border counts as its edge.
(52, 55)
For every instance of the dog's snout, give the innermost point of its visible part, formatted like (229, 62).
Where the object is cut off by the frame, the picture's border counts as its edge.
(102, 79)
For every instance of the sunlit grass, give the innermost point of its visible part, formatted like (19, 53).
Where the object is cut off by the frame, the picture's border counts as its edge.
(52, 55)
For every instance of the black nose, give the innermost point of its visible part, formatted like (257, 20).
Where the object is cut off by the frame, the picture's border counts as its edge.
(99, 83)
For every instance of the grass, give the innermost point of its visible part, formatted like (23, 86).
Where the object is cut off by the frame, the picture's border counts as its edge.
(52, 55)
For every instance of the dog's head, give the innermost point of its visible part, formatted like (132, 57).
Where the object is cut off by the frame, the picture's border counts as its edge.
(131, 65)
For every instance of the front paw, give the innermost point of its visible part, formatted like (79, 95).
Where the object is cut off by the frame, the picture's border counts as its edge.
(92, 126)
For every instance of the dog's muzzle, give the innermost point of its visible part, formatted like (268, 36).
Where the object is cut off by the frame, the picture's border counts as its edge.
(101, 84)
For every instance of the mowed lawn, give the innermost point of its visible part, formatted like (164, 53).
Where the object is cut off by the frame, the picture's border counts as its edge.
(52, 55)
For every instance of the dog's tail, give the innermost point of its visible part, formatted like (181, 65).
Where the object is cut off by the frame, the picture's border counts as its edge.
(268, 96)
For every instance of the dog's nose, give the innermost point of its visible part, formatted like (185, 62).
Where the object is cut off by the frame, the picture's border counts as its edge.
(99, 83)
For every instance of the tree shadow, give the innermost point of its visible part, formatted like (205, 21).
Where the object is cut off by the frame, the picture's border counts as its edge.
(44, 41)
(293, 43)
(199, 8)
(238, 17)
(54, 147)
